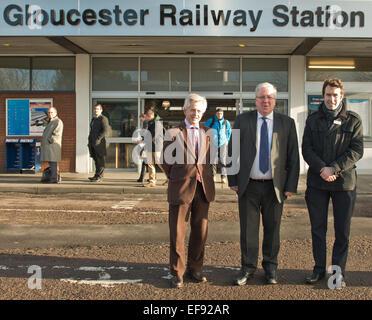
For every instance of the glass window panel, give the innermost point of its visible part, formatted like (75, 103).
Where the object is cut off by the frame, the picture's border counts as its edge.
(119, 155)
(260, 70)
(215, 74)
(170, 111)
(53, 74)
(165, 74)
(281, 105)
(14, 73)
(115, 74)
(361, 73)
(122, 115)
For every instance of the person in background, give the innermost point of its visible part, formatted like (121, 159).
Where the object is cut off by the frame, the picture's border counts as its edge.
(140, 142)
(99, 129)
(153, 155)
(222, 136)
(51, 144)
(332, 144)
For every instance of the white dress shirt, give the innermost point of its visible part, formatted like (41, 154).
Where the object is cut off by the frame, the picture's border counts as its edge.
(255, 171)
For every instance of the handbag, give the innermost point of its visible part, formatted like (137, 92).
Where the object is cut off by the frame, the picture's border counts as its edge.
(46, 175)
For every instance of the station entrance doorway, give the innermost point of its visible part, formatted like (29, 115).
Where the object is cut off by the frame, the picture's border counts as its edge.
(170, 111)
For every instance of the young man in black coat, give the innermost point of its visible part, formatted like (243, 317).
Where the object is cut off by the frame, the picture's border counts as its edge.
(99, 128)
(331, 146)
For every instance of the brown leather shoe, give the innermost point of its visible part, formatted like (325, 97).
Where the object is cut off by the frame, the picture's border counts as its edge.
(176, 283)
(196, 276)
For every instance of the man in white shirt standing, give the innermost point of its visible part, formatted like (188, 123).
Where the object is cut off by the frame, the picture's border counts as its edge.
(269, 171)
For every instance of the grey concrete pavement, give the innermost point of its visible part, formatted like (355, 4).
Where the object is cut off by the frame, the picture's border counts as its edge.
(118, 182)
(28, 236)
(46, 236)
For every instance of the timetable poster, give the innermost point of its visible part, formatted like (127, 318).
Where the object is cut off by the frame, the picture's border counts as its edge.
(26, 117)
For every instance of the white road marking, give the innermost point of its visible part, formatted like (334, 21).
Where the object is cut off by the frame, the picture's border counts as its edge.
(104, 278)
(103, 283)
(4, 268)
(154, 213)
(83, 211)
(126, 204)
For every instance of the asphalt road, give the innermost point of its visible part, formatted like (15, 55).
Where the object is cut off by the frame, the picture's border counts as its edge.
(109, 247)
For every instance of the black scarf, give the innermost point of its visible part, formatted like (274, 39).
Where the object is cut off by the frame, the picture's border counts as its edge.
(331, 115)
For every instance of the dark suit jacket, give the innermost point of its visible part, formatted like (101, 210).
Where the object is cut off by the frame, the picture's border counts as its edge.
(99, 129)
(285, 161)
(182, 176)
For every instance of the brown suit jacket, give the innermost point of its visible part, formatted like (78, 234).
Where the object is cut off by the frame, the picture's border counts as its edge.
(182, 170)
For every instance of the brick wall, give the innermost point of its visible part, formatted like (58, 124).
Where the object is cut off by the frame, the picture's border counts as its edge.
(66, 106)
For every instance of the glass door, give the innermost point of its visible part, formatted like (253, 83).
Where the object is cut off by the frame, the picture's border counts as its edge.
(123, 118)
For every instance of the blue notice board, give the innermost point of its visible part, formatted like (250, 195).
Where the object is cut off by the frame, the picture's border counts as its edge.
(18, 117)
(313, 102)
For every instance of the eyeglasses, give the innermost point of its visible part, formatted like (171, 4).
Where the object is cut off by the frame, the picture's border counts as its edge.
(266, 97)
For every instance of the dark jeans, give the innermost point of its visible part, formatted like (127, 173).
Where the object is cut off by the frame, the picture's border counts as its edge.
(259, 197)
(99, 161)
(317, 201)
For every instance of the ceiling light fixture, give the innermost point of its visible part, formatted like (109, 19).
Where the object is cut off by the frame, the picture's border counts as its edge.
(331, 67)
(331, 63)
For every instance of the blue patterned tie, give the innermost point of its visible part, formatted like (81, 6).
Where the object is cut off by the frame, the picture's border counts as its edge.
(264, 148)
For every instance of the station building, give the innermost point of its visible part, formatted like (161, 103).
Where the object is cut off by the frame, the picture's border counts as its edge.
(135, 54)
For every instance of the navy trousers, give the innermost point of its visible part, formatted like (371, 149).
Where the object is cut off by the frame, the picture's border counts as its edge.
(317, 201)
(259, 198)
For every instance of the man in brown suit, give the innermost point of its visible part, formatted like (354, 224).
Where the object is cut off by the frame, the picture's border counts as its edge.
(190, 190)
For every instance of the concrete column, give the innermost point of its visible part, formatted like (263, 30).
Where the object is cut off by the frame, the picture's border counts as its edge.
(297, 100)
(82, 111)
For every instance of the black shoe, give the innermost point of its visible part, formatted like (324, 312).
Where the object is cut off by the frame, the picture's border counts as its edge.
(92, 178)
(243, 278)
(315, 277)
(271, 277)
(176, 283)
(139, 180)
(95, 179)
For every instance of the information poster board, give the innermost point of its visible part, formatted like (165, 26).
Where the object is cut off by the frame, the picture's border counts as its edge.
(313, 103)
(27, 117)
